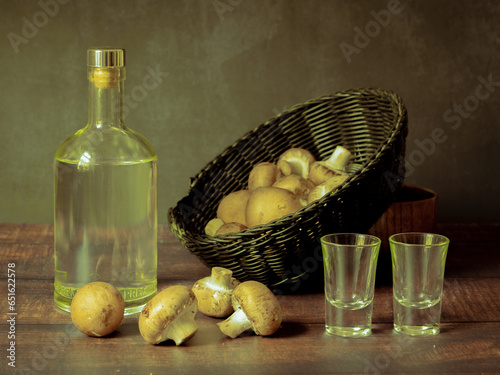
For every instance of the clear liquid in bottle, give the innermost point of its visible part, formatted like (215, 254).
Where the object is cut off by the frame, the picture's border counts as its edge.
(105, 218)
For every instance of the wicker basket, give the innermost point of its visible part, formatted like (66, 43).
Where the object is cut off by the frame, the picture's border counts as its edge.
(371, 123)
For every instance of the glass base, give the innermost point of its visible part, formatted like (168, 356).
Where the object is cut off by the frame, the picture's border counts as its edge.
(416, 330)
(349, 331)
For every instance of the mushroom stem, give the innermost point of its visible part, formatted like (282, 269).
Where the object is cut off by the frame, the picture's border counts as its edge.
(181, 329)
(339, 159)
(236, 324)
(222, 277)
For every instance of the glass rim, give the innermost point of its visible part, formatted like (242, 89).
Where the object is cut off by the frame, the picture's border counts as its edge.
(376, 241)
(443, 240)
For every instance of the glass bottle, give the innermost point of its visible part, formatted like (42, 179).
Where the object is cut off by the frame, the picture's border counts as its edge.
(105, 197)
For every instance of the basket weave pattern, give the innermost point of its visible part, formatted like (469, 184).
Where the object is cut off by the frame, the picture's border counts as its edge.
(370, 123)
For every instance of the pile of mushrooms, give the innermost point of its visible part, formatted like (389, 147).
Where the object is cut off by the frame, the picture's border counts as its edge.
(278, 189)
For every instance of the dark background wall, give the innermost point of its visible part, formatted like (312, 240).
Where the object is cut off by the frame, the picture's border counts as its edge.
(226, 66)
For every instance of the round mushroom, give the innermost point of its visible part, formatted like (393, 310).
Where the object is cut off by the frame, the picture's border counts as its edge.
(232, 207)
(169, 316)
(295, 160)
(262, 175)
(214, 293)
(97, 309)
(255, 308)
(269, 203)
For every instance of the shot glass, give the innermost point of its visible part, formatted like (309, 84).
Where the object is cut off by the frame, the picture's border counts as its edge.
(418, 261)
(350, 262)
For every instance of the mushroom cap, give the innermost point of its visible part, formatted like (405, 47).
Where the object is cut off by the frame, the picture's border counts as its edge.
(269, 203)
(232, 207)
(230, 228)
(295, 160)
(260, 306)
(296, 184)
(213, 226)
(214, 292)
(97, 309)
(262, 175)
(163, 309)
(326, 187)
(319, 172)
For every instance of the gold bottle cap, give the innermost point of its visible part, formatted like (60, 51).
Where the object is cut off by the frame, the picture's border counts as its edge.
(105, 57)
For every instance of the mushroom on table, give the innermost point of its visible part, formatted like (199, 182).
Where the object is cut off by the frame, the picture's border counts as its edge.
(97, 309)
(214, 292)
(256, 308)
(169, 316)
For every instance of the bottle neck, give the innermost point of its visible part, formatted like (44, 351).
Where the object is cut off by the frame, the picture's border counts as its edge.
(106, 97)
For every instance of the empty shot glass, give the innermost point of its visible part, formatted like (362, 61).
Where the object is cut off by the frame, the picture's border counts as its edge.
(350, 262)
(418, 261)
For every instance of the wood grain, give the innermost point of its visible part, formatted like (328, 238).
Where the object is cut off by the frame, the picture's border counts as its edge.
(48, 343)
(295, 348)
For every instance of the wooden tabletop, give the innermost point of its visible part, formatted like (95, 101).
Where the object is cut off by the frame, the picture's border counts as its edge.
(46, 342)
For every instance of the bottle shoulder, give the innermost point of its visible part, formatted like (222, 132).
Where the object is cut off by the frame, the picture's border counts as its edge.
(110, 143)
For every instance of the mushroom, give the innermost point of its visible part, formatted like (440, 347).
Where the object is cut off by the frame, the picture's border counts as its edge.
(269, 203)
(255, 308)
(324, 188)
(169, 315)
(212, 226)
(320, 171)
(232, 207)
(214, 293)
(296, 184)
(97, 309)
(263, 174)
(229, 228)
(295, 161)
